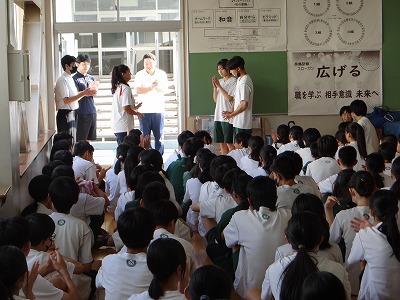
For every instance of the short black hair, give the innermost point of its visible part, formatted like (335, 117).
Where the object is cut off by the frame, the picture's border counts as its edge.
(67, 60)
(59, 145)
(358, 107)
(235, 62)
(284, 166)
(222, 62)
(81, 147)
(63, 136)
(132, 139)
(348, 156)
(239, 185)
(344, 109)
(164, 212)
(63, 201)
(327, 146)
(204, 134)
(149, 55)
(261, 191)
(48, 168)
(220, 173)
(153, 192)
(242, 137)
(14, 231)
(229, 177)
(42, 227)
(135, 131)
(388, 150)
(310, 135)
(63, 171)
(38, 187)
(136, 173)
(183, 136)
(136, 227)
(144, 180)
(65, 156)
(83, 57)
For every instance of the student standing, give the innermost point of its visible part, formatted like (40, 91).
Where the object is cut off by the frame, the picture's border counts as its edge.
(86, 116)
(123, 108)
(151, 84)
(241, 114)
(223, 92)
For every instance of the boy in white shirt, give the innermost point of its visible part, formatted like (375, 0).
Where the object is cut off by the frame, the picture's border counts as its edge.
(258, 232)
(358, 112)
(241, 147)
(326, 165)
(283, 171)
(124, 274)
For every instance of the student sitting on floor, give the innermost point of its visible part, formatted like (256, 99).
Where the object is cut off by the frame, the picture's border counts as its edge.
(38, 189)
(241, 146)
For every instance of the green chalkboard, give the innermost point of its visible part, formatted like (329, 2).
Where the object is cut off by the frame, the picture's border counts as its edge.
(390, 54)
(268, 70)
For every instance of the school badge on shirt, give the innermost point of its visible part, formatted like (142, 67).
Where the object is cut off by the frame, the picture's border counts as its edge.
(131, 263)
(163, 235)
(61, 222)
(265, 216)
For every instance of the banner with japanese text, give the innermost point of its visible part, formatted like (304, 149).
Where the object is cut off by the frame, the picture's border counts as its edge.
(236, 25)
(319, 83)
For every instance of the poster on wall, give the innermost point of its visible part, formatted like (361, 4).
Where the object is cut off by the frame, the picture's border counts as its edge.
(319, 83)
(236, 25)
(334, 24)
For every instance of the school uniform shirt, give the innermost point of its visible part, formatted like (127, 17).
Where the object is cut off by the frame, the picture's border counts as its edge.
(65, 87)
(305, 154)
(152, 101)
(84, 169)
(258, 172)
(192, 192)
(333, 253)
(326, 185)
(42, 209)
(237, 154)
(291, 146)
(322, 168)
(122, 186)
(259, 234)
(73, 237)
(112, 189)
(124, 274)
(182, 230)
(341, 228)
(211, 147)
(122, 201)
(287, 194)
(308, 180)
(381, 276)
(221, 104)
(387, 180)
(175, 173)
(173, 157)
(215, 207)
(388, 169)
(87, 206)
(121, 120)
(360, 160)
(244, 92)
(208, 190)
(248, 164)
(371, 138)
(190, 251)
(271, 286)
(168, 295)
(43, 289)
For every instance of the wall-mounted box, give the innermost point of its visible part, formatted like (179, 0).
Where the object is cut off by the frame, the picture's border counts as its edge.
(18, 76)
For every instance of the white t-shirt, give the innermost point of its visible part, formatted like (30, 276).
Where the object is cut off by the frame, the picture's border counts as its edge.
(292, 146)
(305, 154)
(258, 172)
(259, 234)
(341, 228)
(371, 138)
(308, 180)
(87, 206)
(84, 169)
(244, 92)
(237, 154)
(41, 209)
(248, 165)
(287, 194)
(65, 87)
(382, 273)
(190, 251)
(121, 120)
(360, 161)
(152, 101)
(73, 238)
(208, 190)
(214, 208)
(112, 188)
(388, 169)
(122, 201)
(322, 168)
(173, 157)
(168, 295)
(192, 192)
(333, 253)
(326, 185)
(271, 286)
(222, 104)
(124, 274)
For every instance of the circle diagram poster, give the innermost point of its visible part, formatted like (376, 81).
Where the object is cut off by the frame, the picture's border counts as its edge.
(334, 24)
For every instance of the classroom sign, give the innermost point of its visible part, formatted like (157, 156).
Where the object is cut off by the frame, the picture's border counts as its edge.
(334, 24)
(319, 83)
(237, 25)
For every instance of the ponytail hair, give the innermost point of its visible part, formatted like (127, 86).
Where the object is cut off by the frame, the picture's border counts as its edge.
(164, 256)
(357, 132)
(296, 132)
(384, 204)
(255, 143)
(122, 152)
(116, 77)
(363, 182)
(375, 165)
(304, 233)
